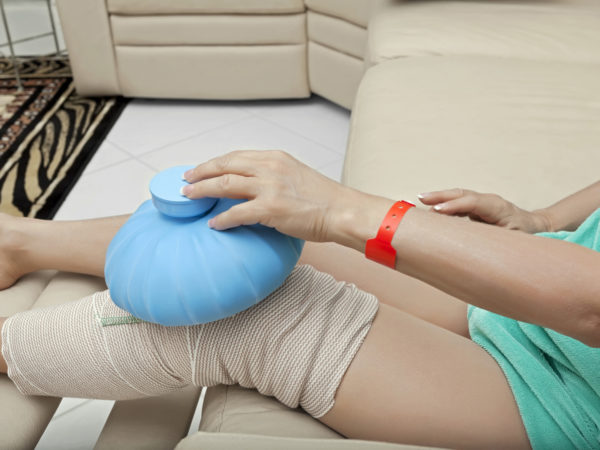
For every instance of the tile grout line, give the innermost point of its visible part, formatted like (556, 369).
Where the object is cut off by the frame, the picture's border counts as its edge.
(266, 119)
(109, 165)
(295, 133)
(132, 156)
(162, 147)
(139, 157)
(135, 158)
(249, 115)
(340, 160)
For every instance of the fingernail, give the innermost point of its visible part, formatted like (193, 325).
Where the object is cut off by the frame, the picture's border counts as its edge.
(439, 207)
(185, 190)
(211, 223)
(187, 174)
(424, 194)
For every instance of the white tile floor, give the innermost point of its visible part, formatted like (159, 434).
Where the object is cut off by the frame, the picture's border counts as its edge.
(152, 135)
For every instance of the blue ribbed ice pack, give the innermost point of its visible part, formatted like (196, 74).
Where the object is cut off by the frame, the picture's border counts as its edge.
(166, 266)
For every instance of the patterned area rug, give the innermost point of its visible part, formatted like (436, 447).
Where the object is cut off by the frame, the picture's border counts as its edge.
(48, 134)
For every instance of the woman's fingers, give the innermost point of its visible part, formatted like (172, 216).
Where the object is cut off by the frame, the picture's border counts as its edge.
(433, 198)
(241, 162)
(459, 206)
(283, 193)
(228, 185)
(242, 214)
(488, 208)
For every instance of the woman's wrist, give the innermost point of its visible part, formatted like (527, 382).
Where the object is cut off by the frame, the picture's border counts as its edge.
(543, 220)
(358, 219)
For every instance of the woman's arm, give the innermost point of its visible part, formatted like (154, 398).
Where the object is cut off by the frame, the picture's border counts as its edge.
(570, 212)
(543, 281)
(566, 214)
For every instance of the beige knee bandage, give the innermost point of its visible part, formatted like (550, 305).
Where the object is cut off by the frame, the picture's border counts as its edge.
(295, 345)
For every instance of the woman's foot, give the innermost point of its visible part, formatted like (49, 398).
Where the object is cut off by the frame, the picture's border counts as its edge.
(12, 250)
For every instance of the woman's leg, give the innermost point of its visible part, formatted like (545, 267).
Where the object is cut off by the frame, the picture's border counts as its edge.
(443, 390)
(408, 381)
(80, 246)
(390, 287)
(416, 383)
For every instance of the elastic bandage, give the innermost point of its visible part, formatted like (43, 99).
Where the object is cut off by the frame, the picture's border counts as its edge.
(295, 345)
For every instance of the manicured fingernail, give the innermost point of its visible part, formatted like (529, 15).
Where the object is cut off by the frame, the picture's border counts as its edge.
(187, 174)
(211, 223)
(186, 190)
(424, 194)
(439, 207)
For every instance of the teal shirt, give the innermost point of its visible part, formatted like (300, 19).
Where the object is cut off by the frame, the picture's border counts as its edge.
(555, 379)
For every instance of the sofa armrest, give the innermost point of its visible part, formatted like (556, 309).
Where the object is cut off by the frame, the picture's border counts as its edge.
(23, 419)
(86, 28)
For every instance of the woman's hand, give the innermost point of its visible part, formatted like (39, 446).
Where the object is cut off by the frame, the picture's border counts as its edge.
(488, 208)
(282, 193)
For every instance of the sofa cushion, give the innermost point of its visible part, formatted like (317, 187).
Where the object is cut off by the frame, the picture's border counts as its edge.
(23, 294)
(86, 28)
(528, 130)
(150, 422)
(213, 71)
(209, 29)
(560, 30)
(205, 6)
(337, 34)
(233, 409)
(355, 11)
(228, 441)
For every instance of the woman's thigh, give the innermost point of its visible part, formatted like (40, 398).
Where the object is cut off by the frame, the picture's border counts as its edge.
(390, 287)
(415, 383)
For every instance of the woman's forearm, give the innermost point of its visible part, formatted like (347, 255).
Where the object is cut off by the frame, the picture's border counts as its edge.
(543, 281)
(570, 212)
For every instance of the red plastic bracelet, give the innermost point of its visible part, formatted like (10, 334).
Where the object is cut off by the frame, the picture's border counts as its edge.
(380, 248)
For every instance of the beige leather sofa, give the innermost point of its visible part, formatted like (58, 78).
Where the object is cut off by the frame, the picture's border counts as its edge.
(212, 49)
(491, 95)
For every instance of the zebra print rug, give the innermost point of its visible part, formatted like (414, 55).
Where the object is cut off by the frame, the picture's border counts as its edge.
(48, 134)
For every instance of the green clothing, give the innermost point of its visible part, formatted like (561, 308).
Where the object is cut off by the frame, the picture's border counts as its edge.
(555, 379)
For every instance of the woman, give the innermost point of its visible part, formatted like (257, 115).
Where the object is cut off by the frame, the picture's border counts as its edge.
(410, 367)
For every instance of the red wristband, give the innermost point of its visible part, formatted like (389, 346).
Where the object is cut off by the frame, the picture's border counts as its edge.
(380, 248)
